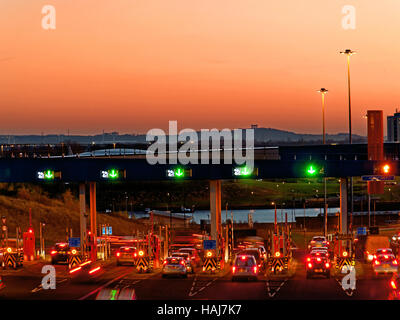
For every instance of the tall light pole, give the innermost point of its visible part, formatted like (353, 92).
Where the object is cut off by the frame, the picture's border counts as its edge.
(349, 53)
(323, 92)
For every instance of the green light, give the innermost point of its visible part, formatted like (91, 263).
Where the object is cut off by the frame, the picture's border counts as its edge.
(311, 170)
(113, 174)
(179, 173)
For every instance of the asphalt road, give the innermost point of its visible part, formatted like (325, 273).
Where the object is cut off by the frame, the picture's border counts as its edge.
(26, 284)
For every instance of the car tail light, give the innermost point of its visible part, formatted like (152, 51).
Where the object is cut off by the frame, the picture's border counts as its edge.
(317, 253)
(135, 254)
(243, 257)
(310, 265)
(393, 284)
(62, 245)
(327, 265)
(118, 254)
(308, 259)
(386, 256)
(233, 269)
(182, 262)
(319, 259)
(255, 269)
(377, 262)
(94, 270)
(395, 262)
(74, 270)
(53, 252)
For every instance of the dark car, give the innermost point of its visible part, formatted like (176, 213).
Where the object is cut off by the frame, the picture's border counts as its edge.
(59, 253)
(318, 264)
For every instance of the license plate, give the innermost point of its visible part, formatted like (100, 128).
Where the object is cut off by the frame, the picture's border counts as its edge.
(61, 252)
(318, 270)
(386, 266)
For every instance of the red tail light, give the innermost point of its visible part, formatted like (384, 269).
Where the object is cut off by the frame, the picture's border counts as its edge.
(118, 254)
(310, 265)
(393, 284)
(327, 265)
(395, 262)
(308, 259)
(182, 262)
(377, 262)
(135, 254)
(53, 252)
(319, 259)
(94, 270)
(233, 269)
(255, 269)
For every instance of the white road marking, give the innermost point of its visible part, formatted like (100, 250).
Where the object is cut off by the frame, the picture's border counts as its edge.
(272, 294)
(193, 290)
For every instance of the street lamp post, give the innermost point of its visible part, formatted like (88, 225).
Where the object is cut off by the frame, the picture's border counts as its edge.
(349, 53)
(323, 92)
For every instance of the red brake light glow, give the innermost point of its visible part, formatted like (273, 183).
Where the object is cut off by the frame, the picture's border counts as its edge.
(395, 262)
(393, 284)
(118, 254)
(233, 269)
(377, 262)
(255, 269)
(309, 265)
(327, 265)
(53, 252)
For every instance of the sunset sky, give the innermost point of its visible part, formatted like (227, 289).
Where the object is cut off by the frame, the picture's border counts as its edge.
(132, 65)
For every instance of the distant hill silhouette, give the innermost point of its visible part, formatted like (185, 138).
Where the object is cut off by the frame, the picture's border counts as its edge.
(266, 136)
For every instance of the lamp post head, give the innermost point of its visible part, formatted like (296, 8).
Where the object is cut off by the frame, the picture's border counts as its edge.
(322, 90)
(348, 52)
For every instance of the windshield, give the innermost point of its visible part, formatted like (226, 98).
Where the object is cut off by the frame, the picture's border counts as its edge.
(244, 262)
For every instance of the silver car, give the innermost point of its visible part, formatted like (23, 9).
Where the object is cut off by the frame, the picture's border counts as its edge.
(385, 263)
(245, 267)
(174, 266)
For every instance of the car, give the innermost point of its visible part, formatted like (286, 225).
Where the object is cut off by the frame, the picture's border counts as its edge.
(87, 271)
(385, 263)
(126, 255)
(318, 264)
(318, 241)
(257, 256)
(194, 255)
(174, 266)
(187, 258)
(59, 253)
(245, 267)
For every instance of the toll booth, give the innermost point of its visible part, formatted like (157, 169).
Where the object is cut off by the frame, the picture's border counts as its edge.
(29, 245)
(344, 251)
(12, 258)
(75, 257)
(278, 250)
(148, 253)
(210, 261)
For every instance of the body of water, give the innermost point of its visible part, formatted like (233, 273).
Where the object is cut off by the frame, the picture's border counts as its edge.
(259, 215)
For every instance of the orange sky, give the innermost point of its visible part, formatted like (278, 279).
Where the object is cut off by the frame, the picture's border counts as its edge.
(132, 65)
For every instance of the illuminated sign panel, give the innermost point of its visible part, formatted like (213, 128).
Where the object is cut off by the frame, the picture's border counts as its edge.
(244, 172)
(48, 175)
(113, 174)
(179, 173)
